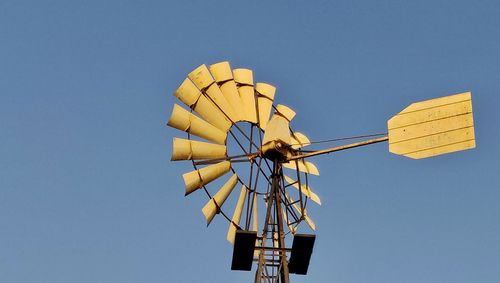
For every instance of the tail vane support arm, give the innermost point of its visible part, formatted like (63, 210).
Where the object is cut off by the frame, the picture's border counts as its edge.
(338, 148)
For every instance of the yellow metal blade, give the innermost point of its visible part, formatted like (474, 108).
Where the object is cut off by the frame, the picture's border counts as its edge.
(188, 92)
(285, 111)
(230, 92)
(243, 76)
(309, 221)
(302, 166)
(255, 226)
(201, 77)
(299, 140)
(224, 78)
(236, 219)
(247, 95)
(190, 95)
(203, 80)
(212, 114)
(215, 94)
(244, 81)
(184, 149)
(214, 204)
(255, 214)
(198, 178)
(265, 99)
(183, 120)
(221, 71)
(305, 189)
(433, 127)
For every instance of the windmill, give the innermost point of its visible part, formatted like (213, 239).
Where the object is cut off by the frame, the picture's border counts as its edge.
(239, 139)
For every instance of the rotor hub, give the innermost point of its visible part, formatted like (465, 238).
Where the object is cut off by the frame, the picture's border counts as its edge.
(276, 150)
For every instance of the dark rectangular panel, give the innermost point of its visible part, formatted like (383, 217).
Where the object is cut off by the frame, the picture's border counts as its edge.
(302, 249)
(244, 245)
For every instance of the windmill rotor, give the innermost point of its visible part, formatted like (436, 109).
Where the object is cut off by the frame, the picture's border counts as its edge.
(238, 139)
(236, 134)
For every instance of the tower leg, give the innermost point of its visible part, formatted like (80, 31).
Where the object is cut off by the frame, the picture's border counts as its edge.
(267, 256)
(279, 213)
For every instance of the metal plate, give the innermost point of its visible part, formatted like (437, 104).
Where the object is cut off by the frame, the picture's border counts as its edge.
(433, 127)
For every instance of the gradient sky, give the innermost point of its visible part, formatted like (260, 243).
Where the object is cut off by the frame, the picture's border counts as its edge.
(87, 191)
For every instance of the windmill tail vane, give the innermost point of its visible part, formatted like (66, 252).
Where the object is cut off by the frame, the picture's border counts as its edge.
(234, 128)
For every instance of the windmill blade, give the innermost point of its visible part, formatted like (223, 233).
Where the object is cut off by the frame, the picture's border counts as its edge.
(255, 226)
(198, 178)
(309, 221)
(212, 114)
(244, 82)
(190, 95)
(285, 111)
(299, 140)
(236, 219)
(302, 166)
(265, 97)
(195, 150)
(306, 218)
(214, 204)
(183, 120)
(218, 98)
(255, 214)
(433, 127)
(224, 78)
(203, 79)
(305, 189)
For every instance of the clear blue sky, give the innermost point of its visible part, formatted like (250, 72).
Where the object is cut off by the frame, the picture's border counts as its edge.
(87, 191)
